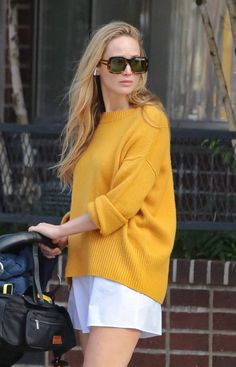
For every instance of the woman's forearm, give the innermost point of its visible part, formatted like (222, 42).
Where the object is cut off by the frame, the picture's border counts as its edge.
(60, 232)
(83, 223)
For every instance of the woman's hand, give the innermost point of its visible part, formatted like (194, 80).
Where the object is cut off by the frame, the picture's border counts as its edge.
(53, 232)
(59, 233)
(49, 230)
(48, 252)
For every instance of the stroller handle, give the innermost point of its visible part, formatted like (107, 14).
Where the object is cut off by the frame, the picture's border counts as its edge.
(9, 241)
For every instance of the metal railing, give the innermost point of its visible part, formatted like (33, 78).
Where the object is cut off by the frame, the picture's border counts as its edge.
(202, 161)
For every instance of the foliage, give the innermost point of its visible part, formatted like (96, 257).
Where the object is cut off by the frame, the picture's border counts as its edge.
(205, 245)
(225, 152)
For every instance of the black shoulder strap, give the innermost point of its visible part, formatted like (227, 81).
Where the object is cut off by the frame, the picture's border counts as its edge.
(37, 290)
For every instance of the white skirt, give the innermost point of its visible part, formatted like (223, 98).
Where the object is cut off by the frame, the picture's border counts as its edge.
(95, 301)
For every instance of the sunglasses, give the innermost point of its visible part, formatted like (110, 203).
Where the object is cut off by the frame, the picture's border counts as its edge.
(117, 64)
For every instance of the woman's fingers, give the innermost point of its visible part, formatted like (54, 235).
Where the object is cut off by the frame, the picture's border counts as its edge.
(48, 230)
(51, 231)
(61, 242)
(49, 252)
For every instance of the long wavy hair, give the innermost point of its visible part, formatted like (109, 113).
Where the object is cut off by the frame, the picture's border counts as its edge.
(85, 97)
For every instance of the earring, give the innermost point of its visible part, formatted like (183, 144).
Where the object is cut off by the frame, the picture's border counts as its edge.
(95, 73)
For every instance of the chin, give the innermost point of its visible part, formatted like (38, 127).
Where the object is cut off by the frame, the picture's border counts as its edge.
(125, 91)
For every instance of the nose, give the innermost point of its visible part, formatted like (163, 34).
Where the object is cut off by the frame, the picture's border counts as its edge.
(128, 69)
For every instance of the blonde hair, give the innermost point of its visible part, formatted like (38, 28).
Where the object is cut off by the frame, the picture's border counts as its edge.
(85, 98)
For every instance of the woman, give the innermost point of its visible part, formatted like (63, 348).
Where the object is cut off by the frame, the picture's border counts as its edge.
(121, 226)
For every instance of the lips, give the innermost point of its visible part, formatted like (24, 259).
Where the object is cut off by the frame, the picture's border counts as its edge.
(126, 82)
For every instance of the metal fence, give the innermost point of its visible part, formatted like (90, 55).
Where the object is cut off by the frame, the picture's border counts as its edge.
(203, 165)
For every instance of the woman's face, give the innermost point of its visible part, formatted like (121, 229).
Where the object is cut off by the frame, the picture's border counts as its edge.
(119, 85)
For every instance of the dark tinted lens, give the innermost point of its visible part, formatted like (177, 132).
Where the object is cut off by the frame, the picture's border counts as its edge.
(139, 64)
(117, 64)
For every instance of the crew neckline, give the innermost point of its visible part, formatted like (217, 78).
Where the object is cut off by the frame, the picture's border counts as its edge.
(117, 115)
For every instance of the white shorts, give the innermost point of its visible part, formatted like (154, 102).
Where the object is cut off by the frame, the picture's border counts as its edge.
(95, 301)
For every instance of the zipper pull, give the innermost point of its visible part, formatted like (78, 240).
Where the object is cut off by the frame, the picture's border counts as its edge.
(37, 324)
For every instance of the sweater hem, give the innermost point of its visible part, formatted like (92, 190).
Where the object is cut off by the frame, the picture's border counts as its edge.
(141, 289)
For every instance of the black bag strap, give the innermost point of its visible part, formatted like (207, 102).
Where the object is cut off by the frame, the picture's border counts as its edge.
(2, 309)
(37, 289)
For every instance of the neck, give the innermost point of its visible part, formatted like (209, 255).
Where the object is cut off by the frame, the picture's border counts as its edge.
(115, 103)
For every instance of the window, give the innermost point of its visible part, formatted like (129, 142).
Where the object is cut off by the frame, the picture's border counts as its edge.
(181, 70)
(193, 91)
(63, 29)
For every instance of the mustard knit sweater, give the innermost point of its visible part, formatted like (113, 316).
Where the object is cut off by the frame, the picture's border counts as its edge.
(124, 181)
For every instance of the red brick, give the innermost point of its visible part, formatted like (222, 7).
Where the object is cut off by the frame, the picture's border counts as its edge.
(189, 297)
(147, 360)
(189, 361)
(223, 362)
(157, 342)
(164, 304)
(164, 315)
(187, 320)
(217, 272)
(182, 274)
(200, 271)
(224, 321)
(232, 273)
(224, 299)
(224, 343)
(189, 341)
(171, 270)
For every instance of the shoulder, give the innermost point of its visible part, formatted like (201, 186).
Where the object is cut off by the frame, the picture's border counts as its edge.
(150, 124)
(155, 116)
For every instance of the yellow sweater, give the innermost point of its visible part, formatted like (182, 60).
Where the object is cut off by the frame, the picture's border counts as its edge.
(124, 181)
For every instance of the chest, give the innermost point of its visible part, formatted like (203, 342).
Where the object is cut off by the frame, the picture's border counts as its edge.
(102, 158)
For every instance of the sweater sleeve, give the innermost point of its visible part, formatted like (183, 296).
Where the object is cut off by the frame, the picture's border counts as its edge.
(132, 182)
(65, 218)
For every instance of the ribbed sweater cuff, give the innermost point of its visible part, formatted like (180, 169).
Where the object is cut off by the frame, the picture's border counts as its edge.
(107, 218)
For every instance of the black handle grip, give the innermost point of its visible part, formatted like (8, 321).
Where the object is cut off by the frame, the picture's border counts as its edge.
(40, 238)
(9, 241)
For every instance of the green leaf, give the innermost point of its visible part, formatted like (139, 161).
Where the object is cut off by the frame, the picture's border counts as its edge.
(227, 157)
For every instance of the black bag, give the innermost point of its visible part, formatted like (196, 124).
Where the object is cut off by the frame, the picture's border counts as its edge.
(28, 322)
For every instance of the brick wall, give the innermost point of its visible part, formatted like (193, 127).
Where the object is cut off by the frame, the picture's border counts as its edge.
(199, 319)
(25, 33)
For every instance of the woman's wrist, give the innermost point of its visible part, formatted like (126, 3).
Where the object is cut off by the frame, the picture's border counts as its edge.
(79, 224)
(62, 231)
